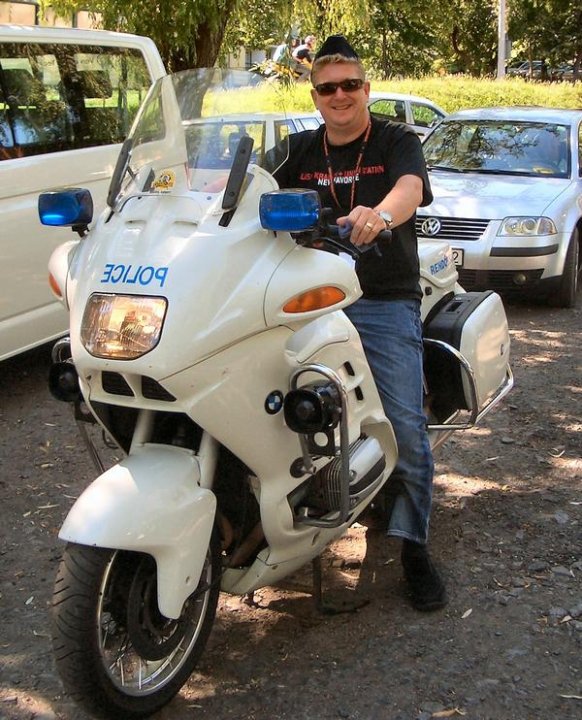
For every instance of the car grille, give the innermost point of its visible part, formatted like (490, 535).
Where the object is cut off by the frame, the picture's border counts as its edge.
(451, 229)
(501, 280)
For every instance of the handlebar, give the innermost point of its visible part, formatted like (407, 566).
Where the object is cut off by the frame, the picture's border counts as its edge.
(337, 237)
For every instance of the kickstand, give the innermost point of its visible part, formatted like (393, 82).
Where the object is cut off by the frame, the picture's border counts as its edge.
(343, 606)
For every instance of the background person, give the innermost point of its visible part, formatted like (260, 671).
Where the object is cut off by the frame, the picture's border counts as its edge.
(303, 55)
(372, 173)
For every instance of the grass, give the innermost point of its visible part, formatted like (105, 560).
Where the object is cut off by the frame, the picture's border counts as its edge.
(456, 92)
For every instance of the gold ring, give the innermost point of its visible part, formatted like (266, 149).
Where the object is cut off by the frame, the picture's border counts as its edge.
(369, 225)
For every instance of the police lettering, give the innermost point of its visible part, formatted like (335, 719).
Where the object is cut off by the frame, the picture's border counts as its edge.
(440, 265)
(130, 275)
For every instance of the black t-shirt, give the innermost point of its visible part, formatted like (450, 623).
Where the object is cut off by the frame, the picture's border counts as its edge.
(393, 150)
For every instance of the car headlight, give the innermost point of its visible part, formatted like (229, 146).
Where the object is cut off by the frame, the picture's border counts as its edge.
(122, 327)
(528, 226)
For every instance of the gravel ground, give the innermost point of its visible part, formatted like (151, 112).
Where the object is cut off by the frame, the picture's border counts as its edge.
(506, 532)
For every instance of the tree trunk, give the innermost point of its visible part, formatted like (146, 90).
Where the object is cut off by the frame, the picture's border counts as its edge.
(205, 47)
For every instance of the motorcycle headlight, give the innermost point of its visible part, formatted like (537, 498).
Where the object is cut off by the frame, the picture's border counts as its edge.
(528, 226)
(122, 327)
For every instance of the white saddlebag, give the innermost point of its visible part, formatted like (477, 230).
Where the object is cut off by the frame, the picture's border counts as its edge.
(475, 325)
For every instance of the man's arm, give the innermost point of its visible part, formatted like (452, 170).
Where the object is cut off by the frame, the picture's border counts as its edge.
(401, 202)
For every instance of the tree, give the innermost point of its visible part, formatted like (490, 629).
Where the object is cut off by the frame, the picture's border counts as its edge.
(393, 37)
(188, 33)
(548, 29)
(258, 24)
(473, 37)
(403, 37)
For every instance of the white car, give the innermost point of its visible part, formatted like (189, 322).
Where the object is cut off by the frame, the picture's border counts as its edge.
(507, 185)
(215, 139)
(417, 111)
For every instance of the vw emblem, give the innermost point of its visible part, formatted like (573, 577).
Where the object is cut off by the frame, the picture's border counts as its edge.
(431, 227)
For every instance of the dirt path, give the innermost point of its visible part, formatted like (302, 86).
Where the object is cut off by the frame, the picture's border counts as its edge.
(506, 529)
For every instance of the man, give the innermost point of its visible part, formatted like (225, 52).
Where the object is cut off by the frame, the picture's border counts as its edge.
(372, 174)
(303, 55)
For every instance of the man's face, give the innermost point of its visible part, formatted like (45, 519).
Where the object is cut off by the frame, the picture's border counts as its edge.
(347, 109)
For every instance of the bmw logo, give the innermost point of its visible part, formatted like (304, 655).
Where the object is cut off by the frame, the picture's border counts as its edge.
(431, 227)
(274, 402)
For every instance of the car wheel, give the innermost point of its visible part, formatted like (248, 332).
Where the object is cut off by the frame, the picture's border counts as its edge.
(566, 294)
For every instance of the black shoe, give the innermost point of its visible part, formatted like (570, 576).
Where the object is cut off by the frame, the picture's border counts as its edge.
(426, 588)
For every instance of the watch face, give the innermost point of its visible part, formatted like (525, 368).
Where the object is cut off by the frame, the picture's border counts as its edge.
(386, 217)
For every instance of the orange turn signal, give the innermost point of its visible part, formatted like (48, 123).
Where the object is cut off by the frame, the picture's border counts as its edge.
(54, 286)
(316, 299)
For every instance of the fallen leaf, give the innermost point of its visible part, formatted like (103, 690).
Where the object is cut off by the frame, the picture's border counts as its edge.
(448, 713)
(463, 616)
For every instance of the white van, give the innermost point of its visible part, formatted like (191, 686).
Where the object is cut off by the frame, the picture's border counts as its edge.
(67, 99)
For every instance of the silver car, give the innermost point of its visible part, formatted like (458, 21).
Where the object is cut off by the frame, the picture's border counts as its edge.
(507, 185)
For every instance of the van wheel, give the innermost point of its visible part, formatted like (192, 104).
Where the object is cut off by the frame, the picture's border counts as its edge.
(566, 294)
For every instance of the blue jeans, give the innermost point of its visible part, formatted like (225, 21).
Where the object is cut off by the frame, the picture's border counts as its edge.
(391, 333)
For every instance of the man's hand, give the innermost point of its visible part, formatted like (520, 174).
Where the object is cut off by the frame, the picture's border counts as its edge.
(365, 223)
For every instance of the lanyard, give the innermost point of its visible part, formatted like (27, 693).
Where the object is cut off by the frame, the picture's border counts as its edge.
(356, 170)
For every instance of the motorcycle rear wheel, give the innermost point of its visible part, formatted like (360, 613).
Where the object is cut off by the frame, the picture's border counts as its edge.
(116, 654)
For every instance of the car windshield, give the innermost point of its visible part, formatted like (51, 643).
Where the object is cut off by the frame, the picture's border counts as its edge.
(501, 147)
(190, 127)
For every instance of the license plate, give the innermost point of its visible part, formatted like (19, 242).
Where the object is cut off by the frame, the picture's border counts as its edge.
(458, 256)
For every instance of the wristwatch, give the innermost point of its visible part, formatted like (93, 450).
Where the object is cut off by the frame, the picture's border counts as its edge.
(387, 218)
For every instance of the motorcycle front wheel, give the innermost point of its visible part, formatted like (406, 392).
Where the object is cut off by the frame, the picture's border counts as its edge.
(116, 654)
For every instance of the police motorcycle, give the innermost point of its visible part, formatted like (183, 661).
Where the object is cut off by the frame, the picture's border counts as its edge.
(207, 341)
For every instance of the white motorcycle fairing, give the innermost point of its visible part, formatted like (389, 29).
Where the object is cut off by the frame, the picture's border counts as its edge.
(150, 502)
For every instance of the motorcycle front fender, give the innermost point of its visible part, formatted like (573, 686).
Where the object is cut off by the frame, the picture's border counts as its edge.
(150, 502)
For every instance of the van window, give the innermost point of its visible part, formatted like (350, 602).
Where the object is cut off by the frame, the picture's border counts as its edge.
(63, 97)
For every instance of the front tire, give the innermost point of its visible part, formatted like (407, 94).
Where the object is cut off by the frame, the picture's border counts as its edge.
(116, 654)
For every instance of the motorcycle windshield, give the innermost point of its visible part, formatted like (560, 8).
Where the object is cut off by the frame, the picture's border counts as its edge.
(190, 128)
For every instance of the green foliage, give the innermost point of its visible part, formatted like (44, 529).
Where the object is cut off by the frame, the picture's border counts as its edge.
(547, 29)
(258, 24)
(402, 38)
(455, 92)
(188, 33)
(397, 38)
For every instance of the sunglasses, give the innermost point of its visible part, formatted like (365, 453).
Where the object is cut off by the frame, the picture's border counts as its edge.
(329, 88)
